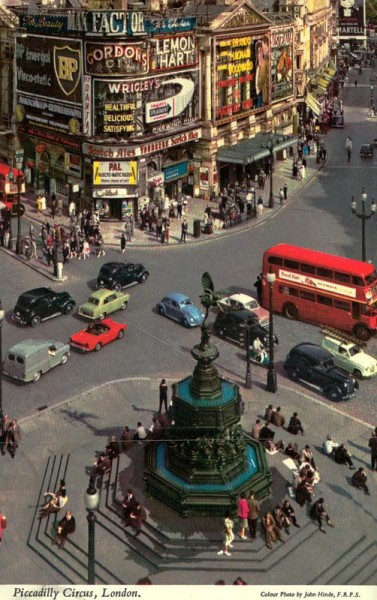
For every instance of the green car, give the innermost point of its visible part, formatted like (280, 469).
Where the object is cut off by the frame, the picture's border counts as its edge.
(102, 303)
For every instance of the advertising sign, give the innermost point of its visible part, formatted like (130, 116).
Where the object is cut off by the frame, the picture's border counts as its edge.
(158, 25)
(115, 173)
(319, 284)
(242, 75)
(281, 64)
(51, 70)
(87, 105)
(114, 59)
(351, 20)
(49, 114)
(174, 52)
(41, 23)
(151, 105)
(175, 171)
(93, 22)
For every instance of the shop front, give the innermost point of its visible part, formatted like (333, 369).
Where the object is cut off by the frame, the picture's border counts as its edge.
(176, 180)
(115, 191)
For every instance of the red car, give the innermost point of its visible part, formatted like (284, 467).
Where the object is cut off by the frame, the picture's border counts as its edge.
(97, 335)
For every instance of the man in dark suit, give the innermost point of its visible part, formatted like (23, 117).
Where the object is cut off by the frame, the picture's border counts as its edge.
(12, 437)
(66, 526)
(129, 504)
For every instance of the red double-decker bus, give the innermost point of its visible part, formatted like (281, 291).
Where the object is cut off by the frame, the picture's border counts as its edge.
(322, 288)
(10, 179)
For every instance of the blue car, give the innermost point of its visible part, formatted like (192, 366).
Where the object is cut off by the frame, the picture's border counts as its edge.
(180, 308)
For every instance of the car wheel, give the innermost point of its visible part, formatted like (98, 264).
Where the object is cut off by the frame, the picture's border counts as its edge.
(124, 305)
(37, 376)
(333, 393)
(97, 347)
(64, 359)
(69, 308)
(185, 323)
(357, 374)
(102, 316)
(36, 321)
(293, 374)
(221, 332)
(117, 287)
(120, 334)
(161, 310)
(290, 311)
(362, 332)
(143, 278)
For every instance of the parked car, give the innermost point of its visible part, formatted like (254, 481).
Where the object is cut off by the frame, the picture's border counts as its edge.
(102, 303)
(28, 360)
(315, 365)
(231, 325)
(179, 307)
(97, 335)
(351, 357)
(232, 302)
(40, 304)
(366, 151)
(117, 275)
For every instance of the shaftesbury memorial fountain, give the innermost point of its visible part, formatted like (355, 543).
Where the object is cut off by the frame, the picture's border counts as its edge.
(205, 460)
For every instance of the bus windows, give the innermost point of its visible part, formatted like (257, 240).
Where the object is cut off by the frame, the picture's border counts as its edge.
(324, 300)
(343, 277)
(342, 305)
(307, 296)
(292, 264)
(324, 272)
(275, 260)
(307, 268)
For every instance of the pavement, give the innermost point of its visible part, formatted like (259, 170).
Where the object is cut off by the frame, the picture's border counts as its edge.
(195, 210)
(64, 441)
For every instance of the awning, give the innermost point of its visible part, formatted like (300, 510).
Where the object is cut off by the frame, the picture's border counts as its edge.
(313, 104)
(254, 149)
(322, 82)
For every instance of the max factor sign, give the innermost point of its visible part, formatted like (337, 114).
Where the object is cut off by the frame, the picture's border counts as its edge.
(107, 22)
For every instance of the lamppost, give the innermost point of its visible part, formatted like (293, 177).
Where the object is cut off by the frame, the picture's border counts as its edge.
(254, 201)
(371, 97)
(91, 498)
(246, 331)
(11, 178)
(55, 253)
(269, 145)
(1, 361)
(271, 373)
(364, 217)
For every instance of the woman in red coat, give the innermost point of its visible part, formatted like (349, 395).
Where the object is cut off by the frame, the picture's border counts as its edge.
(242, 513)
(3, 524)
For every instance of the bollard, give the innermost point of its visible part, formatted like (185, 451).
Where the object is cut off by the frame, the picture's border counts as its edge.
(60, 270)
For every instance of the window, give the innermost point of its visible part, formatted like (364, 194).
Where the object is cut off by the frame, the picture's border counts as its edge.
(356, 280)
(307, 296)
(324, 272)
(342, 277)
(11, 357)
(275, 260)
(288, 291)
(324, 300)
(291, 264)
(342, 305)
(20, 360)
(307, 268)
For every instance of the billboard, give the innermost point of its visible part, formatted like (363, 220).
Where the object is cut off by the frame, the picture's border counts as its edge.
(115, 172)
(50, 70)
(174, 52)
(281, 64)
(49, 114)
(351, 18)
(116, 58)
(128, 107)
(242, 72)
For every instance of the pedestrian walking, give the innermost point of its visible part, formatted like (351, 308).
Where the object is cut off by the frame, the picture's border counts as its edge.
(100, 248)
(12, 438)
(372, 444)
(137, 517)
(349, 148)
(179, 208)
(66, 526)
(242, 513)
(129, 503)
(258, 287)
(3, 525)
(123, 243)
(260, 206)
(359, 480)
(33, 247)
(163, 391)
(228, 538)
(318, 512)
(53, 205)
(252, 517)
(285, 190)
(281, 196)
(127, 229)
(131, 221)
(184, 229)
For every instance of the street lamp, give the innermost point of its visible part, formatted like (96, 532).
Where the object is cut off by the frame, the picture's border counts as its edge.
(269, 145)
(364, 217)
(91, 498)
(271, 373)
(11, 178)
(55, 253)
(371, 97)
(246, 330)
(1, 361)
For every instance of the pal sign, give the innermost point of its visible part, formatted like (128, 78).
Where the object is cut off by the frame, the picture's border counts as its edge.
(115, 173)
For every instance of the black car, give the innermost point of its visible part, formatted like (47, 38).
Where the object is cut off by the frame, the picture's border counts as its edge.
(116, 275)
(315, 365)
(231, 325)
(40, 304)
(366, 151)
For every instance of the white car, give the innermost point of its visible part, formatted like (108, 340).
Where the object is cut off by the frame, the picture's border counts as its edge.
(244, 302)
(351, 357)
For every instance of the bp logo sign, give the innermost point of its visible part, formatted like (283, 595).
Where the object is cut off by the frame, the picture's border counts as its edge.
(67, 67)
